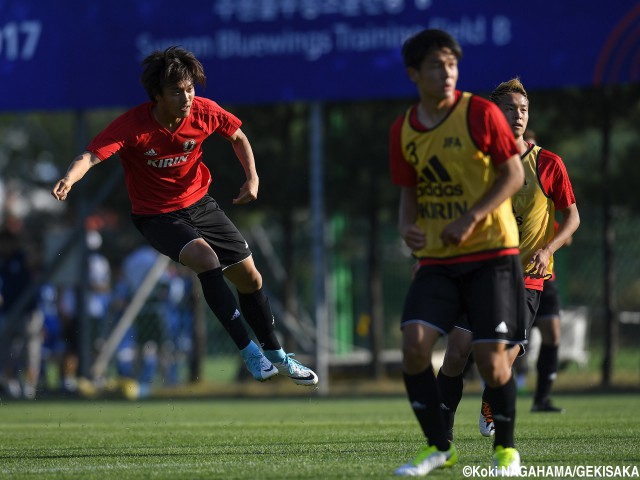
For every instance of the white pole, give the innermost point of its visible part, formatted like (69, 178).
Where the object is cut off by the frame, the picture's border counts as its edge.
(137, 302)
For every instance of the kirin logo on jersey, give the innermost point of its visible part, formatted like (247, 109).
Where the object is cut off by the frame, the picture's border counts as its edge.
(189, 145)
(168, 162)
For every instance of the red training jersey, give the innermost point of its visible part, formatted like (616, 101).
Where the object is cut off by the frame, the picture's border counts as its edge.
(163, 170)
(554, 180)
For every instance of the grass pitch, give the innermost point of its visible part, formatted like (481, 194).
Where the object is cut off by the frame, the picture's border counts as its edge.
(309, 438)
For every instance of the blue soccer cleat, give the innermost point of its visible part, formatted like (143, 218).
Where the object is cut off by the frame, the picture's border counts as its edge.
(259, 366)
(297, 372)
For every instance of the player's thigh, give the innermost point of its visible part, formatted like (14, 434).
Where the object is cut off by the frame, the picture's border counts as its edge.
(532, 302)
(549, 301)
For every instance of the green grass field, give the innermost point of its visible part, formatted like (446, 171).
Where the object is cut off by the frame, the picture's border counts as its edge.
(302, 438)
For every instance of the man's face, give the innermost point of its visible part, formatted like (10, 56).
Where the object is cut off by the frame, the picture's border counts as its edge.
(175, 100)
(437, 76)
(516, 108)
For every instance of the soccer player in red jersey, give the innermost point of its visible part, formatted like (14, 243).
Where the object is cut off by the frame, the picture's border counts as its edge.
(546, 190)
(457, 165)
(159, 144)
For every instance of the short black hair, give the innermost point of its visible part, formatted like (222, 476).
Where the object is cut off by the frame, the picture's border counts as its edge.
(418, 46)
(170, 67)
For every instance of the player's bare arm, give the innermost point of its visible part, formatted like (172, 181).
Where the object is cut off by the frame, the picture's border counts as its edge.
(412, 235)
(78, 168)
(242, 148)
(510, 176)
(567, 227)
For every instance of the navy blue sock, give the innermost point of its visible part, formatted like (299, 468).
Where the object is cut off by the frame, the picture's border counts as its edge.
(257, 312)
(547, 367)
(224, 306)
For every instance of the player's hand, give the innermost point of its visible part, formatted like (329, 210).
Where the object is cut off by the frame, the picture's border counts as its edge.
(458, 231)
(61, 190)
(413, 237)
(538, 264)
(248, 192)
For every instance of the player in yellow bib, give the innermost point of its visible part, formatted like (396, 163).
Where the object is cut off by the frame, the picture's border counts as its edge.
(546, 190)
(456, 163)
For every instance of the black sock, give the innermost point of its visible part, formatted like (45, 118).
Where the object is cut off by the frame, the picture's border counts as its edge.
(547, 367)
(503, 409)
(451, 393)
(424, 396)
(223, 304)
(257, 312)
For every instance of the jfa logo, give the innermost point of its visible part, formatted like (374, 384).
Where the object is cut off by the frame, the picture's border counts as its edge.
(189, 145)
(450, 142)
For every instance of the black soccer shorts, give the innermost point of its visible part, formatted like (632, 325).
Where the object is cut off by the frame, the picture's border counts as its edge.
(170, 232)
(549, 301)
(489, 293)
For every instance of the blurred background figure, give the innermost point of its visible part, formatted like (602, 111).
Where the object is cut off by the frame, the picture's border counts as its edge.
(100, 292)
(159, 341)
(20, 326)
(133, 270)
(530, 136)
(177, 316)
(69, 328)
(53, 344)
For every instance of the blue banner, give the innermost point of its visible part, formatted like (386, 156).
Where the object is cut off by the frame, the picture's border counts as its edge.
(87, 54)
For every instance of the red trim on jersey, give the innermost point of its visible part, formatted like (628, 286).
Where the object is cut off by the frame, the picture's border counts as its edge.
(533, 283)
(554, 179)
(402, 173)
(491, 131)
(473, 257)
(488, 128)
(163, 170)
(556, 185)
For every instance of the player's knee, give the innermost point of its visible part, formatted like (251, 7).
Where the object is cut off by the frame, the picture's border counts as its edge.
(254, 280)
(458, 351)
(455, 359)
(199, 256)
(245, 276)
(495, 369)
(415, 359)
(550, 332)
